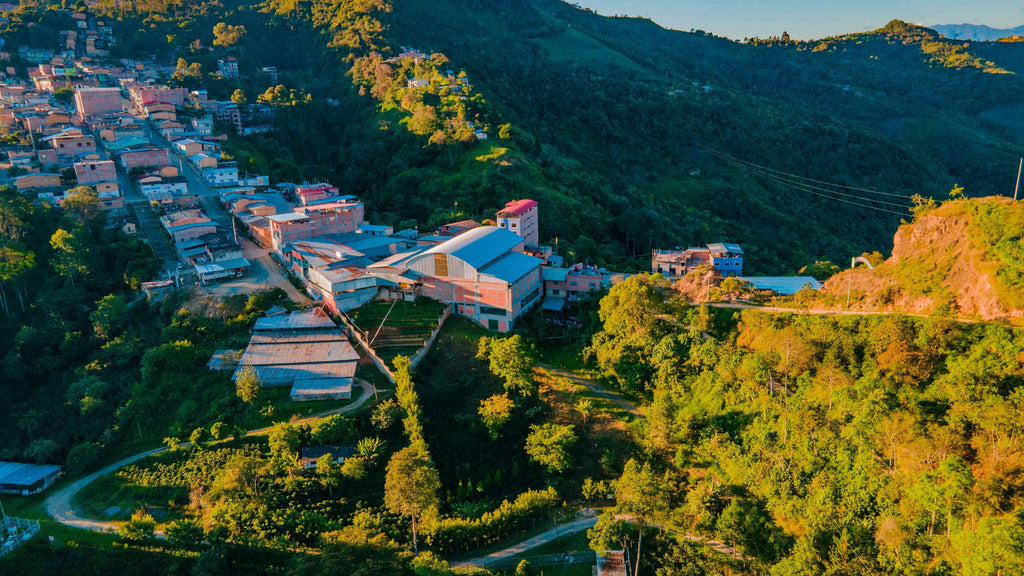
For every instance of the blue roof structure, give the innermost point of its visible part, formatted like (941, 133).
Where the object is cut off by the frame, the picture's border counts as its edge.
(511, 267)
(480, 246)
(783, 285)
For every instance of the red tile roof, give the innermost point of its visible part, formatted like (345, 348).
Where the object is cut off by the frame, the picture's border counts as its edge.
(517, 207)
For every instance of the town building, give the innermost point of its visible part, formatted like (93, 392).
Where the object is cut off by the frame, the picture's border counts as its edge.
(311, 194)
(163, 190)
(37, 180)
(564, 285)
(69, 143)
(520, 217)
(92, 172)
(315, 221)
(26, 479)
(483, 274)
(304, 350)
(227, 67)
(724, 257)
(143, 156)
(187, 225)
(96, 102)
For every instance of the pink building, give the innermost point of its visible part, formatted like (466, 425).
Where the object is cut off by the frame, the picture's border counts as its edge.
(315, 193)
(314, 221)
(93, 102)
(90, 172)
(483, 274)
(187, 225)
(570, 284)
(143, 94)
(520, 217)
(144, 156)
(71, 142)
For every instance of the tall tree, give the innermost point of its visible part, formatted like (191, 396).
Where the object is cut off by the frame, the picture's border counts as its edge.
(69, 255)
(411, 486)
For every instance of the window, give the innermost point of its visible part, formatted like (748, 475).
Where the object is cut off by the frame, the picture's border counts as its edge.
(441, 264)
(572, 283)
(492, 311)
(554, 292)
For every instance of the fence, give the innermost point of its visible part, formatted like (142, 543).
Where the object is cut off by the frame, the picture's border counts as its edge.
(16, 531)
(420, 354)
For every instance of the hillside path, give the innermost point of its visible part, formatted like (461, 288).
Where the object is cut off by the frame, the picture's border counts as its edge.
(596, 389)
(58, 504)
(577, 525)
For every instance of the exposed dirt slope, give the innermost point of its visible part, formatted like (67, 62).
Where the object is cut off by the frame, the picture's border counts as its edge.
(957, 258)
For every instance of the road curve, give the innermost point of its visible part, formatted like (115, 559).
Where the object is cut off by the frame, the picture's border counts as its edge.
(58, 504)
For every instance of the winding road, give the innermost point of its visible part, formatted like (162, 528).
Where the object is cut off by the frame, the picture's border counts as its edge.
(60, 508)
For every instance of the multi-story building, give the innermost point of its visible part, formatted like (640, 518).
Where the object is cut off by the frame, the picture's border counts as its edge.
(314, 221)
(143, 94)
(520, 217)
(227, 67)
(726, 258)
(315, 193)
(570, 284)
(94, 102)
(224, 174)
(37, 180)
(91, 172)
(69, 143)
(483, 274)
(143, 156)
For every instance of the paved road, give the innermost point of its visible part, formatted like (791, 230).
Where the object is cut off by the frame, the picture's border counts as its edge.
(596, 389)
(577, 525)
(58, 504)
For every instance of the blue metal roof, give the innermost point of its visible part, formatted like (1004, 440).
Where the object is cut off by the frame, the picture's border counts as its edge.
(512, 267)
(784, 285)
(480, 246)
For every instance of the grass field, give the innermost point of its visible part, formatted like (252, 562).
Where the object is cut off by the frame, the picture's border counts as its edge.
(405, 329)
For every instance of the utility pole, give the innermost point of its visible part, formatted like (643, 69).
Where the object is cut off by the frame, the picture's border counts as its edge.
(1017, 187)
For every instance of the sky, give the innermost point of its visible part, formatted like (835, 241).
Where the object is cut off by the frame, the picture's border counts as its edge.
(809, 19)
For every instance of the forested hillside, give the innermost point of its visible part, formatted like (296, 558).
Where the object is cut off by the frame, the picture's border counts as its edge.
(616, 125)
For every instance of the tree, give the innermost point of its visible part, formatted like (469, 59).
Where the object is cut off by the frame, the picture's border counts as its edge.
(197, 436)
(409, 400)
(370, 447)
(43, 450)
(15, 261)
(354, 468)
(64, 95)
(185, 532)
(83, 456)
(411, 486)
(248, 384)
(642, 494)
(83, 204)
(494, 412)
(510, 358)
(385, 414)
(586, 409)
(523, 569)
(283, 440)
(550, 445)
(219, 431)
(69, 255)
(110, 317)
(227, 35)
(238, 97)
(139, 529)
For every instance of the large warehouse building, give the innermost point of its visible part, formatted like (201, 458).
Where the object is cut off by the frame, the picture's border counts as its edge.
(25, 479)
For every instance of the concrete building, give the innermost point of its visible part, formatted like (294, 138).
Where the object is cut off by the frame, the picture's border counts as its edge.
(520, 217)
(726, 258)
(187, 225)
(314, 193)
(227, 67)
(143, 156)
(563, 285)
(225, 174)
(163, 190)
(70, 143)
(483, 274)
(94, 102)
(92, 172)
(315, 221)
(38, 180)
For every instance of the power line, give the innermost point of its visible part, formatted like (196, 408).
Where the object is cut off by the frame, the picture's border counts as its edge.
(808, 187)
(796, 176)
(810, 191)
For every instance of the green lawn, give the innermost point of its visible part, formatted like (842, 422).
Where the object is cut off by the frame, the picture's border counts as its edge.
(406, 328)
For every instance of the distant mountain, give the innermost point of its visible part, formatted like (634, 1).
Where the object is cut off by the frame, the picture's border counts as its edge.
(976, 32)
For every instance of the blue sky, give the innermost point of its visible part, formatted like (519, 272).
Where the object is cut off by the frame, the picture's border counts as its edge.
(809, 19)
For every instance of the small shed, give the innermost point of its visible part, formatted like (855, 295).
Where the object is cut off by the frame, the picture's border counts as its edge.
(340, 452)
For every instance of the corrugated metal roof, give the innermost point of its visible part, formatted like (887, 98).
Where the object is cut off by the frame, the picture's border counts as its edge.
(283, 374)
(315, 319)
(298, 353)
(287, 217)
(297, 337)
(721, 248)
(21, 474)
(554, 274)
(555, 304)
(511, 267)
(396, 260)
(334, 387)
(784, 285)
(480, 246)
